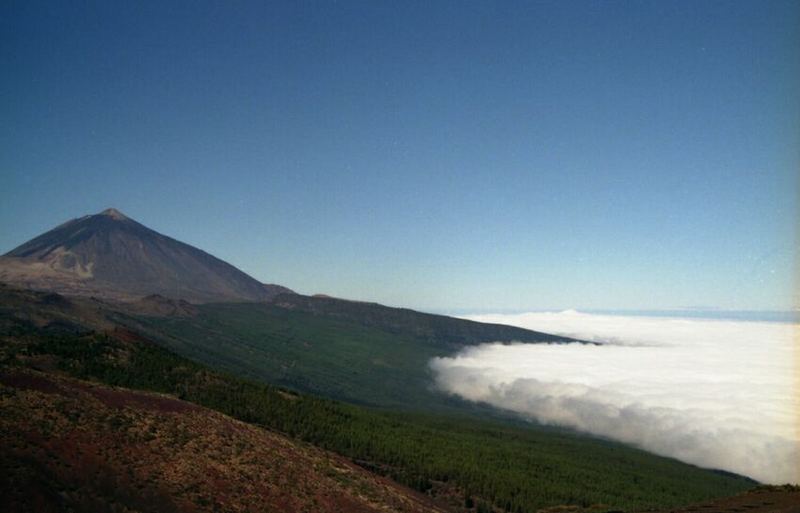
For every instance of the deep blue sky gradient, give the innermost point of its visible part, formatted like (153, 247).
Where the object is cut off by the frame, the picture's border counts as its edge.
(437, 155)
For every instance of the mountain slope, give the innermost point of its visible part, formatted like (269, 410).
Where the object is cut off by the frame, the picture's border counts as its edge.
(762, 499)
(456, 460)
(71, 445)
(439, 331)
(111, 255)
(358, 352)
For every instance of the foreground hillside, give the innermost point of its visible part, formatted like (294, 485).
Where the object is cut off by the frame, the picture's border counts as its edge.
(461, 463)
(762, 499)
(74, 446)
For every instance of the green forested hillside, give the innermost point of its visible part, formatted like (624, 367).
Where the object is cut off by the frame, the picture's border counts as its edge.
(483, 465)
(440, 331)
(358, 352)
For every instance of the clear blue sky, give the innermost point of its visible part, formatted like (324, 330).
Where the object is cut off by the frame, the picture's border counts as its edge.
(437, 155)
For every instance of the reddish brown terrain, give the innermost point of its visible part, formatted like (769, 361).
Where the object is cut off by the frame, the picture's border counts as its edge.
(764, 499)
(70, 445)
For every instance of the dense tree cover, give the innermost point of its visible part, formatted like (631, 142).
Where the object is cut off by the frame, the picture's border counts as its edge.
(357, 352)
(512, 468)
(439, 331)
(335, 358)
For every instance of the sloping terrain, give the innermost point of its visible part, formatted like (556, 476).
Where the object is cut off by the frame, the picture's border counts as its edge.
(439, 331)
(133, 276)
(70, 445)
(379, 363)
(763, 499)
(462, 463)
(357, 352)
(110, 255)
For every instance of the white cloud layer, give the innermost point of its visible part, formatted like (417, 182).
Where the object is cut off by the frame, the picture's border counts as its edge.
(715, 393)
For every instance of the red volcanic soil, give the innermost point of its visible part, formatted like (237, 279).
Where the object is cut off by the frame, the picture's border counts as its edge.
(764, 499)
(27, 381)
(114, 398)
(67, 445)
(120, 398)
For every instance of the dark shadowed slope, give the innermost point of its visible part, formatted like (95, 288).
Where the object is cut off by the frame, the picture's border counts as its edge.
(111, 255)
(359, 352)
(762, 499)
(439, 331)
(377, 357)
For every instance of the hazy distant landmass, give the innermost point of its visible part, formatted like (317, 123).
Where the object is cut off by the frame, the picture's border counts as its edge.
(737, 315)
(790, 316)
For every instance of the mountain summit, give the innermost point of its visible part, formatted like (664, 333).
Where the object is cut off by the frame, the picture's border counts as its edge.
(113, 213)
(111, 255)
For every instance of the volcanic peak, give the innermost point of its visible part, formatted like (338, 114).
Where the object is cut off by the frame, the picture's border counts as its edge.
(113, 213)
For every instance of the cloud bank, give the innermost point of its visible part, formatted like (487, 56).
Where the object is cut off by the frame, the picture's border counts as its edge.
(715, 393)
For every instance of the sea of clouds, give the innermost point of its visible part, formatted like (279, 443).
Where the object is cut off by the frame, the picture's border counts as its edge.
(715, 393)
